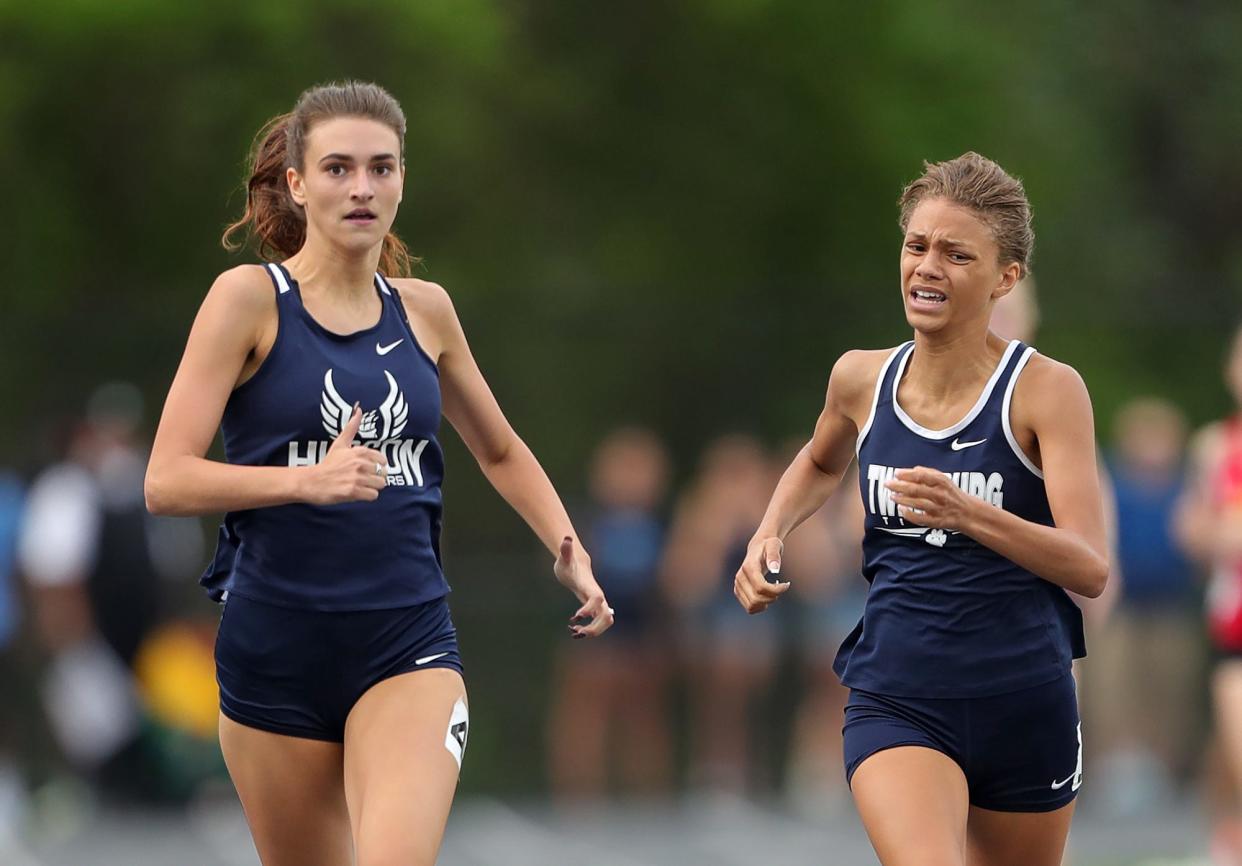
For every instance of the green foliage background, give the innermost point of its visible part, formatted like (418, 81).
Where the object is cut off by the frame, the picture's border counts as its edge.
(677, 213)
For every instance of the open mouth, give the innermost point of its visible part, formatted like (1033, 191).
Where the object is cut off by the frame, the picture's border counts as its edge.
(360, 215)
(924, 297)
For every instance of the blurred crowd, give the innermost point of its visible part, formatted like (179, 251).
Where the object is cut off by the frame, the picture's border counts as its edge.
(109, 682)
(109, 690)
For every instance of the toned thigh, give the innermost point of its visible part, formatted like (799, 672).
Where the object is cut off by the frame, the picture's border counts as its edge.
(1017, 838)
(400, 767)
(914, 804)
(292, 793)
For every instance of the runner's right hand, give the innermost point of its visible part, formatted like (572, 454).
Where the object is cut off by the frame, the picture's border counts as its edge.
(751, 587)
(349, 473)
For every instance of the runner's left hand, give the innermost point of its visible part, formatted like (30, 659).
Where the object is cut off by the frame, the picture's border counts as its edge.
(574, 572)
(928, 497)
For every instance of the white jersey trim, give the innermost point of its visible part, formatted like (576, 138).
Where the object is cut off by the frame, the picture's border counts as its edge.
(279, 276)
(970, 416)
(381, 284)
(875, 399)
(1013, 442)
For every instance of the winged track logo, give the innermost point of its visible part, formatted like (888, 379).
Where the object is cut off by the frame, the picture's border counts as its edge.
(336, 411)
(380, 429)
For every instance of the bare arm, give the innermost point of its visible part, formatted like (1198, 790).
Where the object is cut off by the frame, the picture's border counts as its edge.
(1208, 532)
(1073, 553)
(180, 479)
(1097, 610)
(814, 474)
(507, 462)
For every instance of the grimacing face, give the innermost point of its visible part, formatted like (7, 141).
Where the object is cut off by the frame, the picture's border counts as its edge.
(351, 181)
(950, 273)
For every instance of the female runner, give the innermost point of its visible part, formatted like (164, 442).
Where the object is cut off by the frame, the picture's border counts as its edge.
(977, 473)
(343, 712)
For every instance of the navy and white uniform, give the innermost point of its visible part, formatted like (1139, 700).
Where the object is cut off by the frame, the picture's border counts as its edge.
(960, 649)
(322, 602)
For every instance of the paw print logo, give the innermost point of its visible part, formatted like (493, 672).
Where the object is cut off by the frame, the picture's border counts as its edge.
(936, 537)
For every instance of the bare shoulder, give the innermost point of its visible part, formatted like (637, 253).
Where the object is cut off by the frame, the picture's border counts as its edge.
(430, 312)
(854, 377)
(236, 324)
(1046, 379)
(1050, 395)
(847, 406)
(245, 289)
(424, 298)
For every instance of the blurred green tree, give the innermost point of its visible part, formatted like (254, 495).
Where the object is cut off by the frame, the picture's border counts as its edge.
(671, 213)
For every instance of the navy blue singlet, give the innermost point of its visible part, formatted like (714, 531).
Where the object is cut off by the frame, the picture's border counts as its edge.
(945, 616)
(354, 555)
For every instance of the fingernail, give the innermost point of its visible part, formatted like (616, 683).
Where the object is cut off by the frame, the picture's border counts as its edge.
(774, 567)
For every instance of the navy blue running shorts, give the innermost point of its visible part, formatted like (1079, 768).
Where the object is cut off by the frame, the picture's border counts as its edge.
(1020, 752)
(300, 672)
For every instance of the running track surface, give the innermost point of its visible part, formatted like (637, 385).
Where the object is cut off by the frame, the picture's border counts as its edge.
(486, 832)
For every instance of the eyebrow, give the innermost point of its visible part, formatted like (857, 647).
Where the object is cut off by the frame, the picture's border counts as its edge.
(950, 242)
(345, 157)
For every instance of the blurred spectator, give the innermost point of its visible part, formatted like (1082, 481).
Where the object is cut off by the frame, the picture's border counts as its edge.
(1016, 315)
(823, 561)
(90, 554)
(729, 656)
(610, 699)
(1145, 660)
(10, 514)
(12, 784)
(88, 694)
(1209, 522)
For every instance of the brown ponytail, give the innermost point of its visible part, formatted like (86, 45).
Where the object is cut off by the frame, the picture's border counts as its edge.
(271, 215)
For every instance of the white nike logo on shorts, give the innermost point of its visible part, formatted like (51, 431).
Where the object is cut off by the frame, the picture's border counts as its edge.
(384, 350)
(426, 659)
(1056, 786)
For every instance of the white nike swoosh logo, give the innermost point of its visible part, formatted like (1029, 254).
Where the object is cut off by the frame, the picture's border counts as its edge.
(958, 446)
(426, 659)
(1056, 786)
(384, 350)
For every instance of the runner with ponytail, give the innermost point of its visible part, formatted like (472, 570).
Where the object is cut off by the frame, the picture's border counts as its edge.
(343, 714)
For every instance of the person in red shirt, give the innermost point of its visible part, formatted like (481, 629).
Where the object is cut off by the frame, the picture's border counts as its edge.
(1209, 524)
